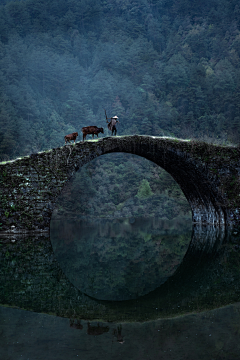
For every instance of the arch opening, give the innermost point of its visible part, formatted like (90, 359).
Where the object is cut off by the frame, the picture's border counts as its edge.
(122, 185)
(121, 227)
(201, 189)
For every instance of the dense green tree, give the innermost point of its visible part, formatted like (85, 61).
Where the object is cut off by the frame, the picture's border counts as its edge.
(144, 190)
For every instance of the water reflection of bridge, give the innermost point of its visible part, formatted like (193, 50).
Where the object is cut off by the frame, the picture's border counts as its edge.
(31, 278)
(207, 174)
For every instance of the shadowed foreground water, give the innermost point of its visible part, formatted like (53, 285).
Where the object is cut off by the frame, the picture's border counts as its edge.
(207, 335)
(170, 321)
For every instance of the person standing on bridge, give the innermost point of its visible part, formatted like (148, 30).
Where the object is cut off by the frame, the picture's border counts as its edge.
(112, 124)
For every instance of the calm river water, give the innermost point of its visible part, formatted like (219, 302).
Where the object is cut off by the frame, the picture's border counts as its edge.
(121, 289)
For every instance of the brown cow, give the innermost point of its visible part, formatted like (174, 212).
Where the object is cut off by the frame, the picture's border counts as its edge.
(91, 130)
(70, 137)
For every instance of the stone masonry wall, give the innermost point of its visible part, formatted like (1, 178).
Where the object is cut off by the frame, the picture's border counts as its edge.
(209, 176)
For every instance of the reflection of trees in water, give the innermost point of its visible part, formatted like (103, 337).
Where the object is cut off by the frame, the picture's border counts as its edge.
(207, 278)
(121, 259)
(119, 227)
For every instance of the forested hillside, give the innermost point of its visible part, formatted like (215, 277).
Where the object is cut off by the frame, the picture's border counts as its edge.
(163, 66)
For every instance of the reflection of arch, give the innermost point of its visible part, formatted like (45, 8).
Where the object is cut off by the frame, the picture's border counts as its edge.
(192, 282)
(34, 183)
(194, 278)
(126, 262)
(189, 270)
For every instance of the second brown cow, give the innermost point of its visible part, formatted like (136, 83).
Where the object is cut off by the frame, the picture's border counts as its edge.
(70, 137)
(91, 130)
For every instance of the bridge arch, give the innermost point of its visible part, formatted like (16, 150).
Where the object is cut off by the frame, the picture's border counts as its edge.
(198, 186)
(114, 184)
(31, 186)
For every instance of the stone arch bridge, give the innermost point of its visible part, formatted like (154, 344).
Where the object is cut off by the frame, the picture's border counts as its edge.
(209, 176)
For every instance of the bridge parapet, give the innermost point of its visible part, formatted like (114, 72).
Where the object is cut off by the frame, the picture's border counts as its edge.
(209, 176)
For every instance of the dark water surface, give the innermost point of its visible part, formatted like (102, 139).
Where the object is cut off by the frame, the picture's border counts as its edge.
(122, 289)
